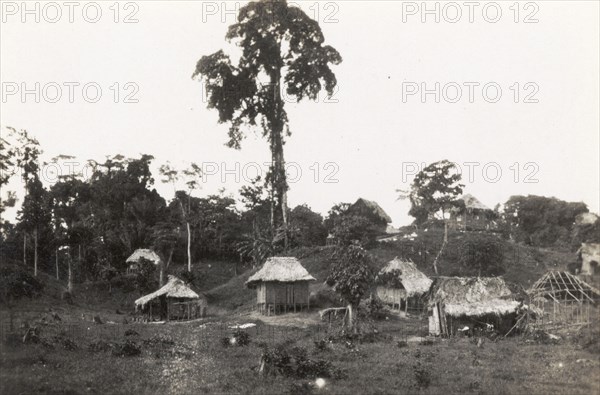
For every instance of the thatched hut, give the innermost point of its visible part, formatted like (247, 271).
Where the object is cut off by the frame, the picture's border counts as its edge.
(281, 286)
(400, 284)
(174, 301)
(472, 215)
(140, 255)
(563, 299)
(372, 211)
(456, 302)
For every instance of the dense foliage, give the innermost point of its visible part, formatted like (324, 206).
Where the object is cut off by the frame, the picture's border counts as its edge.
(434, 191)
(482, 255)
(17, 283)
(541, 221)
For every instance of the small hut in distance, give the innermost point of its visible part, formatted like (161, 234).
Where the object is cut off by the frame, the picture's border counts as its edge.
(174, 301)
(400, 284)
(138, 256)
(281, 286)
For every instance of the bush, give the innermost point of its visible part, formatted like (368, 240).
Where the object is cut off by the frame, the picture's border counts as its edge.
(131, 332)
(375, 308)
(422, 375)
(402, 344)
(321, 345)
(295, 363)
(482, 254)
(127, 349)
(17, 283)
(239, 338)
(242, 338)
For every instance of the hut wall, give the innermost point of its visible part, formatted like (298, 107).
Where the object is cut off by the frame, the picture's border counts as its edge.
(391, 295)
(284, 293)
(434, 321)
(279, 297)
(261, 293)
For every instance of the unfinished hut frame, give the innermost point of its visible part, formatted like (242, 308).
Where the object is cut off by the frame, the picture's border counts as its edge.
(282, 285)
(562, 299)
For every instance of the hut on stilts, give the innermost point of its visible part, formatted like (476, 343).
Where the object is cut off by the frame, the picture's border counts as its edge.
(174, 301)
(562, 299)
(402, 286)
(281, 286)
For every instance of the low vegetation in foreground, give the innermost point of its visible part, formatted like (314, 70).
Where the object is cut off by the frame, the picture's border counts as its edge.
(210, 356)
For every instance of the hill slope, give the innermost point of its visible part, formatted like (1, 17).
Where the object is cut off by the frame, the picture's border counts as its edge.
(523, 265)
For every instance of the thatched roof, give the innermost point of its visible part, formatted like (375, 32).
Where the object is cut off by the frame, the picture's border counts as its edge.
(373, 207)
(473, 296)
(174, 288)
(280, 269)
(558, 286)
(472, 203)
(145, 254)
(415, 282)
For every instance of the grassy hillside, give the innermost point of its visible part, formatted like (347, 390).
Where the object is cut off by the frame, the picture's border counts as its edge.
(524, 265)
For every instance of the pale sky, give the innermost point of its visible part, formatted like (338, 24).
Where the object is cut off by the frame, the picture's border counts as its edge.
(368, 136)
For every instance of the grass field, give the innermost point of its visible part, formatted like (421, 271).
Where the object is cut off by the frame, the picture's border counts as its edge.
(188, 357)
(77, 356)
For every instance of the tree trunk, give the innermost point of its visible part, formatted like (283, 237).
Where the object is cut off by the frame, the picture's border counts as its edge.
(35, 251)
(69, 274)
(189, 246)
(170, 257)
(278, 180)
(445, 231)
(161, 275)
(56, 263)
(352, 319)
(25, 249)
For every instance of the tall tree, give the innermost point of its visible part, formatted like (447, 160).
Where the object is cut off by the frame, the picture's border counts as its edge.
(192, 177)
(34, 212)
(281, 47)
(434, 191)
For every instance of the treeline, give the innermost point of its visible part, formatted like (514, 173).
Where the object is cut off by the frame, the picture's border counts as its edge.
(89, 226)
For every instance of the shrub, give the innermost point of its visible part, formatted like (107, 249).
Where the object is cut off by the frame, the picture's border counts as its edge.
(482, 254)
(375, 309)
(131, 332)
(225, 341)
(64, 342)
(422, 375)
(402, 344)
(239, 338)
(17, 283)
(321, 344)
(127, 349)
(295, 363)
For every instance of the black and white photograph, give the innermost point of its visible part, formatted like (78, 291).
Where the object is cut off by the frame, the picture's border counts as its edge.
(300, 197)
